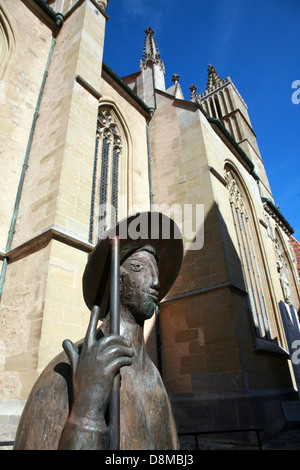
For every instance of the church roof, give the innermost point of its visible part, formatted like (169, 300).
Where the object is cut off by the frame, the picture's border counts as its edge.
(123, 84)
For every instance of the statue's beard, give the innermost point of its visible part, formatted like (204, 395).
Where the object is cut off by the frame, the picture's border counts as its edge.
(140, 304)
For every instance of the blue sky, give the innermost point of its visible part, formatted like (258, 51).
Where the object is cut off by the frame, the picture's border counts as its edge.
(254, 42)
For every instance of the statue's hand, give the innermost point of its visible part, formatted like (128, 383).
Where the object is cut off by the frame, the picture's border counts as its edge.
(93, 371)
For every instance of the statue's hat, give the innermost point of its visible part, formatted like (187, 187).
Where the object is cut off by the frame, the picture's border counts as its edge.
(137, 230)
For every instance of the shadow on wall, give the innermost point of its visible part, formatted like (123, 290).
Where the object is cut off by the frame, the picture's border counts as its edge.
(208, 345)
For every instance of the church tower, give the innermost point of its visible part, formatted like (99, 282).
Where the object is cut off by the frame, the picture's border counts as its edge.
(222, 101)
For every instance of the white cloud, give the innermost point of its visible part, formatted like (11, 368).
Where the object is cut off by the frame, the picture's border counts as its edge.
(152, 13)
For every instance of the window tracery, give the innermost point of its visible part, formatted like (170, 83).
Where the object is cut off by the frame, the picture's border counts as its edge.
(250, 262)
(108, 152)
(7, 41)
(284, 271)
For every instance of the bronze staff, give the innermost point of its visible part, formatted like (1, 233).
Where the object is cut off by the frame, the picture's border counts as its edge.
(114, 402)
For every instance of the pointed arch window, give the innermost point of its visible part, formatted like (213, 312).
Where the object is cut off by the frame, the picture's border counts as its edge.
(285, 270)
(110, 148)
(218, 107)
(7, 41)
(251, 262)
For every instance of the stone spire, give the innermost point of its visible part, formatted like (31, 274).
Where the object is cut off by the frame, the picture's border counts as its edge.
(213, 78)
(150, 53)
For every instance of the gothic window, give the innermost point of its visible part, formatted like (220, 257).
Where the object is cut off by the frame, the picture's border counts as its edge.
(229, 100)
(108, 154)
(212, 108)
(205, 103)
(237, 134)
(229, 127)
(284, 269)
(218, 107)
(7, 41)
(222, 99)
(251, 262)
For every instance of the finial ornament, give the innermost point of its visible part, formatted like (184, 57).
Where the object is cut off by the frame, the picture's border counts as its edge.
(193, 95)
(213, 77)
(102, 3)
(149, 31)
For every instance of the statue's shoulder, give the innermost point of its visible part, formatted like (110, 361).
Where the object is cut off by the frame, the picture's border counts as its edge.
(47, 407)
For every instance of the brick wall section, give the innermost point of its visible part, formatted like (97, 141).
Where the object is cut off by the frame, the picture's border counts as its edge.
(296, 248)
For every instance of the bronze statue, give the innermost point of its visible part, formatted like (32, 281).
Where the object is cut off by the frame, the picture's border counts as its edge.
(70, 403)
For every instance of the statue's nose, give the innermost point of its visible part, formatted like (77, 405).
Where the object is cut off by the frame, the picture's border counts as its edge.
(155, 282)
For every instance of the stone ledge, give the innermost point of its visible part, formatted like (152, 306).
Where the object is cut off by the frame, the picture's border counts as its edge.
(233, 287)
(40, 241)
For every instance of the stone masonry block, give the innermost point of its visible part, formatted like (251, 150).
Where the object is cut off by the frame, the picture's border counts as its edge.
(186, 336)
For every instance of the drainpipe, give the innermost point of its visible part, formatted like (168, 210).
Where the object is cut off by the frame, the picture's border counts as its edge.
(58, 24)
(151, 112)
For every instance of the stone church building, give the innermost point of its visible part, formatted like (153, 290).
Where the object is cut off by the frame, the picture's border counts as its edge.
(75, 137)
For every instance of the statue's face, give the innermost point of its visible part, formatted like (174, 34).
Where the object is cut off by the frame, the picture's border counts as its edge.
(139, 285)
